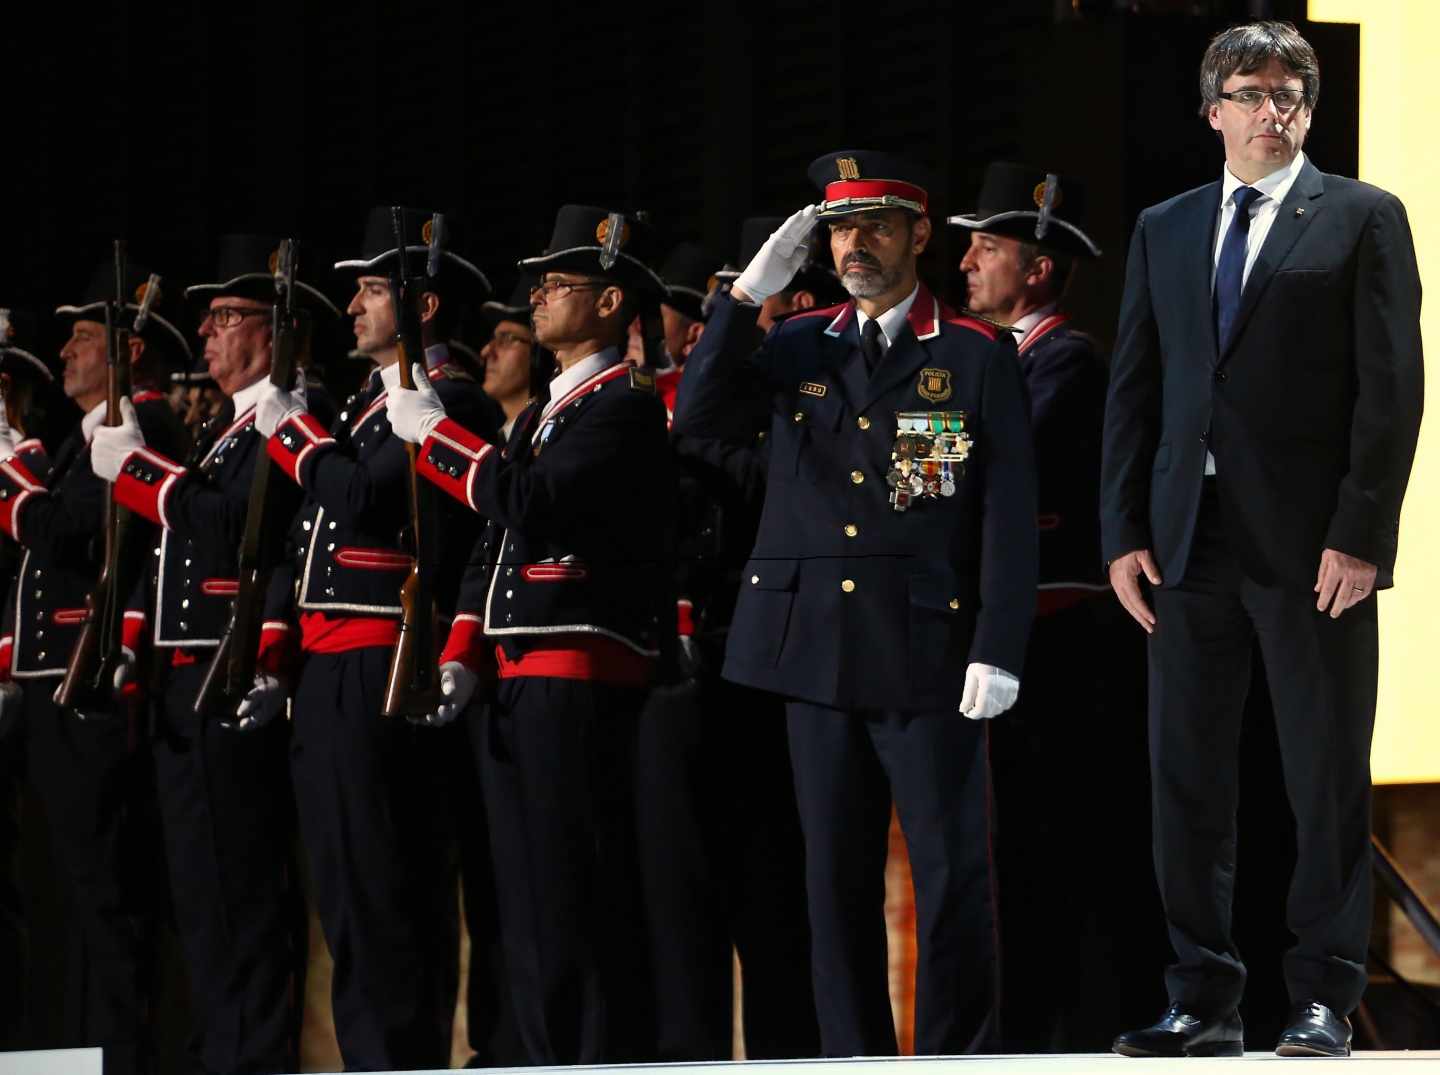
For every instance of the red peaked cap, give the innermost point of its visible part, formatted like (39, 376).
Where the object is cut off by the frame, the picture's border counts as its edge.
(865, 180)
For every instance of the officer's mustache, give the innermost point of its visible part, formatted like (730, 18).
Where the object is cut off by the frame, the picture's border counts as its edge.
(865, 261)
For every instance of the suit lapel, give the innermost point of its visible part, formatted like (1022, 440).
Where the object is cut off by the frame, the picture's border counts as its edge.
(1291, 219)
(1197, 264)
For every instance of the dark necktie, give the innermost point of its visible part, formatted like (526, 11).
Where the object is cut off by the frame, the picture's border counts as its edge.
(1230, 271)
(870, 345)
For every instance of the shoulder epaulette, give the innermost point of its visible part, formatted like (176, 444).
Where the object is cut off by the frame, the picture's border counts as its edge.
(642, 380)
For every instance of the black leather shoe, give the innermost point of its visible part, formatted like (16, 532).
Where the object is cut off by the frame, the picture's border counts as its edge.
(1182, 1033)
(1315, 1030)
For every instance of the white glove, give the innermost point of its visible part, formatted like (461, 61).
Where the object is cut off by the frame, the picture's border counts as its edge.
(989, 691)
(111, 444)
(457, 684)
(414, 414)
(124, 668)
(262, 703)
(780, 258)
(275, 406)
(9, 438)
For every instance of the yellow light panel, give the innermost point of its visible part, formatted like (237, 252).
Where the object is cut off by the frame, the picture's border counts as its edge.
(1399, 100)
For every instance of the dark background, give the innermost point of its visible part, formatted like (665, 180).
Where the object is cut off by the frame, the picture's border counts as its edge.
(169, 124)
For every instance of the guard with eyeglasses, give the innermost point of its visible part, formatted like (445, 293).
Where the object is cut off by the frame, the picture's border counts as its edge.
(374, 793)
(224, 794)
(890, 590)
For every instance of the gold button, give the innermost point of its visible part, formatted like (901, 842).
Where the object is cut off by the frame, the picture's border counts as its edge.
(863, 422)
(754, 579)
(856, 477)
(851, 530)
(799, 416)
(848, 586)
(954, 602)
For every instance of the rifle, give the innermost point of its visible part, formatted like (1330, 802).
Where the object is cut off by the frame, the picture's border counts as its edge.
(232, 670)
(413, 686)
(89, 677)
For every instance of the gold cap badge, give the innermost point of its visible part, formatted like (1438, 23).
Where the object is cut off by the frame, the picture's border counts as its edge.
(848, 167)
(274, 263)
(427, 231)
(1039, 196)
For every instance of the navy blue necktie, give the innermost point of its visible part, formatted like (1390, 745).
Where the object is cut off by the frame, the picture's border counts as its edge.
(1230, 272)
(870, 346)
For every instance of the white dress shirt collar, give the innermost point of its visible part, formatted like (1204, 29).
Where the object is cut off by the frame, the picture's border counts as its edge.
(1274, 186)
(892, 321)
(93, 417)
(246, 397)
(1021, 328)
(568, 379)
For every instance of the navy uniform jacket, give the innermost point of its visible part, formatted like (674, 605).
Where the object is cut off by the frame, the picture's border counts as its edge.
(354, 551)
(845, 601)
(202, 511)
(1066, 382)
(59, 523)
(1311, 409)
(579, 508)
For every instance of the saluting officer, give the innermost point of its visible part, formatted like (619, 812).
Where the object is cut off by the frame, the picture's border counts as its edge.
(814, 284)
(896, 547)
(569, 595)
(364, 784)
(224, 797)
(84, 766)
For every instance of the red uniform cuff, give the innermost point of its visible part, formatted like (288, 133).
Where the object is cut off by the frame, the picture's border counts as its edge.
(450, 458)
(466, 643)
(132, 630)
(300, 437)
(7, 647)
(17, 485)
(279, 650)
(145, 481)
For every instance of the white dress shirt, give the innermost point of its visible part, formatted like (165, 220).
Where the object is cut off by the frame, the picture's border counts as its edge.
(1263, 210)
(891, 321)
(1022, 326)
(576, 375)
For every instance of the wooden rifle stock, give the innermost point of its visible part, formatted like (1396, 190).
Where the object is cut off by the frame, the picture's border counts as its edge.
(232, 670)
(412, 688)
(89, 676)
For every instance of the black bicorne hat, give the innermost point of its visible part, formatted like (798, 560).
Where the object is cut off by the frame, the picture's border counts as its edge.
(814, 276)
(1033, 206)
(378, 250)
(517, 308)
(17, 329)
(865, 180)
(159, 330)
(601, 242)
(689, 273)
(247, 266)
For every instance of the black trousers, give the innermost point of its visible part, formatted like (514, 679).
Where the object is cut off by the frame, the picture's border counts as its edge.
(228, 821)
(14, 937)
(1322, 675)
(723, 862)
(557, 766)
(373, 826)
(93, 784)
(935, 766)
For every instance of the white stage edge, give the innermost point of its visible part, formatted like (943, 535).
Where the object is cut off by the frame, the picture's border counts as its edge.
(52, 1062)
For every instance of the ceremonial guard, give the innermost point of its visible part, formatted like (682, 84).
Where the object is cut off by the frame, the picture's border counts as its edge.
(224, 795)
(510, 356)
(23, 379)
(364, 783)
(569, 594)
(896, 549)
(84, 765)
(1084, 670)
(723, 862)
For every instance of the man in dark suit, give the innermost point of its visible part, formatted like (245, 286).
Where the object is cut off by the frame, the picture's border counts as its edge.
(1261, 421)
(890, 590)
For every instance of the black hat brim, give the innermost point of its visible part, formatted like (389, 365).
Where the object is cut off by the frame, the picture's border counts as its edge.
(1060, 236)
(28, 360)
(261, 286)
(627, 271)
(95, 311)
(471, 273)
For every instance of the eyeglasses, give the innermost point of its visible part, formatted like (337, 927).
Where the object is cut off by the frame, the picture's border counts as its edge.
(1254, 100)
(505, 339)
(230, 316)
(550, 289)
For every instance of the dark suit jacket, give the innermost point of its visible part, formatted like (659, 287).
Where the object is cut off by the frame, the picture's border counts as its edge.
(1311, 411)
(949, 581)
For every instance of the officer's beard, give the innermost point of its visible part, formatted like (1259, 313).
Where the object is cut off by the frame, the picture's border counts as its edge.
(876, 280)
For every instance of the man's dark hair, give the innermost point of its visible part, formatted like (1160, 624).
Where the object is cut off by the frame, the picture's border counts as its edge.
(1247, 48)
(1062, 266)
